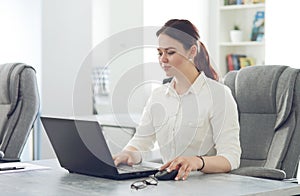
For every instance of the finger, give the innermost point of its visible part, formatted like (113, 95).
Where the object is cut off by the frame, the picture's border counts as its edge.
(116, 161)
(175, 165)
(187, 173)
(130, 161)
(115, 156)
(120, 159)
(181, 171)
(165, 166)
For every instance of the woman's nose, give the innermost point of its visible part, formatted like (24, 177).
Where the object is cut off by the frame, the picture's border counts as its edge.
(164, 58)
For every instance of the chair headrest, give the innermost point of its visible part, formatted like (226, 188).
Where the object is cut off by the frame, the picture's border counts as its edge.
(9, 83)
(266, 89)
(4, 86)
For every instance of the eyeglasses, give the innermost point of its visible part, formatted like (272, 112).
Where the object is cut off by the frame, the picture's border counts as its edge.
(143, 183)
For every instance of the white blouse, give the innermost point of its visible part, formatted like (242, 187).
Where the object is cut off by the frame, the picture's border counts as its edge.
(203, 121)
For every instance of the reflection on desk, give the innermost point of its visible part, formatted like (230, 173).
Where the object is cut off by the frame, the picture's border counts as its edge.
(58, 181)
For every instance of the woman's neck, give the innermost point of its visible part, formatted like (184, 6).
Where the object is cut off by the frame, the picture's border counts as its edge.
(184, 81)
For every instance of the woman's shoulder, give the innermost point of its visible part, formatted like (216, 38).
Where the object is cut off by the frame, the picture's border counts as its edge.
(160, 89)
(217, 86)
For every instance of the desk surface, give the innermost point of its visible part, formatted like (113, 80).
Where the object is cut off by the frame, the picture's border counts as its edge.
(57, 181)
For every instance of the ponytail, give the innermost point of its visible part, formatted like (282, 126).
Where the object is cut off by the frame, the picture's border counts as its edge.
(202, 62)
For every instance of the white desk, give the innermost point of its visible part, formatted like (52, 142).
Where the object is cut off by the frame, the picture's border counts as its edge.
(57, 181)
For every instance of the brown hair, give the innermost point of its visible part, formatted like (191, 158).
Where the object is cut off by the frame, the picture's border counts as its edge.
(187, 34)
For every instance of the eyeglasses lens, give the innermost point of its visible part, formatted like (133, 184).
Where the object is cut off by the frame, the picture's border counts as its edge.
(138, 185)
(143, 183)
(151, 181)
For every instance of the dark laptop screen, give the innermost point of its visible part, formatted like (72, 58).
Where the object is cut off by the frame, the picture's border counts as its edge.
(79, 145)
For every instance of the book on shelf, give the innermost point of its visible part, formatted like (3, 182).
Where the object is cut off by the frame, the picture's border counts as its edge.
(258, 1)
(246, 61)
(229, 62)
(233, 2)
(241, 2)
(238, 61)
(230, 2)
(258, 28)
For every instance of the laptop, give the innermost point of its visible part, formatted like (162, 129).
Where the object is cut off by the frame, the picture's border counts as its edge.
(80, 147)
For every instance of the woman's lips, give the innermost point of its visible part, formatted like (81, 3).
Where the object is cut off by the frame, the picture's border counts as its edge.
(166, 67)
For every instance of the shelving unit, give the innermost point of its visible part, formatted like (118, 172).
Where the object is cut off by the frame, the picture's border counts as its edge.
(243, 16)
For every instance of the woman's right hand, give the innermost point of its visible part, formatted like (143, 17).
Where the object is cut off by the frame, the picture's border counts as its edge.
(129, 156)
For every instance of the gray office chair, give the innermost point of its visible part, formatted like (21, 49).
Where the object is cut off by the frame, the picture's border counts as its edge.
(268, 99)
(19, 105)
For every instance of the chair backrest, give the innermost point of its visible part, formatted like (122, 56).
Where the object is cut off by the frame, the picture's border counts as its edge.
(19, 105)
(268, 99)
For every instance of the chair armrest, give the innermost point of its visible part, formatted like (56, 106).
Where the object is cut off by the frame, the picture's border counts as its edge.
(5, 160)
(260, 172)
(291, 180)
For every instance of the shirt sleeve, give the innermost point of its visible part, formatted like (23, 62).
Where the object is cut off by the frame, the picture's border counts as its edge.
(226, 127)
(144, 137)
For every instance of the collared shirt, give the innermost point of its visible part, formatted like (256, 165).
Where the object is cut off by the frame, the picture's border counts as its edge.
(202, 121)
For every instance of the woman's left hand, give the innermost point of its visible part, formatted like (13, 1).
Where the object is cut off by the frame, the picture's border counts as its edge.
(184, 165)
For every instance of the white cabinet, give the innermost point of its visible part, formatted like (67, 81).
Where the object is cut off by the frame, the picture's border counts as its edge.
(243, 16)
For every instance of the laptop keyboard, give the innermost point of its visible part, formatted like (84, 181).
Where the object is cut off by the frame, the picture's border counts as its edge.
(134, 168)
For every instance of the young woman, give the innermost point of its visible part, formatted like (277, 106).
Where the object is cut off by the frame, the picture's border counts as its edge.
(193, 118)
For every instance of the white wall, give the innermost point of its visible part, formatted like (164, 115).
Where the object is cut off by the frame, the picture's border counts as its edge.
(20, 40)
(114, 24)
(66, 41)
(282, 34)
(100, 24)
(20, 34)
(157, 12)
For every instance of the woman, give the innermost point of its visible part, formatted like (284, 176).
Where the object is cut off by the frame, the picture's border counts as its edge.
(193, 118)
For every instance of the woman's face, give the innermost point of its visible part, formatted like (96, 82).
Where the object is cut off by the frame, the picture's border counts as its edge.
(172, 55)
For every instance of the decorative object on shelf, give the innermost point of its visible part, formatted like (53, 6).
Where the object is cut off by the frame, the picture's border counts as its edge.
(236, 35)
(258, 29)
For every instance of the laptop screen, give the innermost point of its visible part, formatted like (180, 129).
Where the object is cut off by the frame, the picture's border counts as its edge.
(79, 144)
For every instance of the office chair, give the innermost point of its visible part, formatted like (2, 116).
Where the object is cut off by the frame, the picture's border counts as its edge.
(19, 105)
(268, 99)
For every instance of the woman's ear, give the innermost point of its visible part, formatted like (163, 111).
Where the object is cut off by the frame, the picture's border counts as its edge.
(193, 51)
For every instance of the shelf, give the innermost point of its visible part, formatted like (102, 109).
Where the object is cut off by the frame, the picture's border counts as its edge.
(240, 7)
(242, 15)
(249, 43)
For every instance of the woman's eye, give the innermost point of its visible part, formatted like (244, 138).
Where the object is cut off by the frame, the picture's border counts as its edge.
(168, 53)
